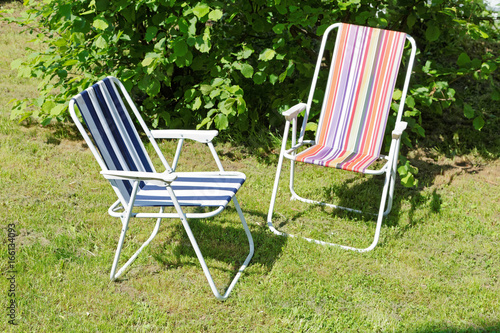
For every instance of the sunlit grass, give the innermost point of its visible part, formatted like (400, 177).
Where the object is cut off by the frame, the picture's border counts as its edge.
(435, 270)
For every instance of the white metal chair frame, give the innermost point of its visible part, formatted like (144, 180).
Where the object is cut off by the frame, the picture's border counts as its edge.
(389, 168)
(125, 210)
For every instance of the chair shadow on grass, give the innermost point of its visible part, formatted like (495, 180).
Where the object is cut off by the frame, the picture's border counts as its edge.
(493, 326)
(348, 192)
(220, 241)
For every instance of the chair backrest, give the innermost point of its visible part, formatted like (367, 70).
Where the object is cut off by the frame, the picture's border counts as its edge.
(112, 132)
(360, 86)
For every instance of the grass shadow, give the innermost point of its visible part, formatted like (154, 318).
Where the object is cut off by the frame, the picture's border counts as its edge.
(363, 192)
(221, 241)
(445, 328)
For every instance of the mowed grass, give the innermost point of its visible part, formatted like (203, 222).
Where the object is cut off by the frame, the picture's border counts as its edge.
(436, 268)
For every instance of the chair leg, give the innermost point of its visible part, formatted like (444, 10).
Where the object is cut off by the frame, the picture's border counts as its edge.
(134, 256)
(276, 182)
(250, 254)
(390, 195)
(378, 227)
(387, 184)
(273, 199)
(393, 180)
(125, 220)
(199, 255)
(387, 189)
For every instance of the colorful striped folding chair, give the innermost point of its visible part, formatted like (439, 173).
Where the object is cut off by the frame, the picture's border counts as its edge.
(124, 161)
(354, 113)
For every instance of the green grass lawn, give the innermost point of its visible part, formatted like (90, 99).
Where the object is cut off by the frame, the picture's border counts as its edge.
(436, 268)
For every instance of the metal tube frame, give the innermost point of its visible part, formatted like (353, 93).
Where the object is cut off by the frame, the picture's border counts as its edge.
(389, 168)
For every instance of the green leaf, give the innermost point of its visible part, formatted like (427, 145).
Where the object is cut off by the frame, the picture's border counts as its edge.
(62, 73)
(489, 67)
(202, 43)
(192, 26)
(410, 101)
(48, 106)
(153, 87)
(403, 169)
(217, 82)
(102, 5)
(468, 111)
(427, 67)
(151, 33)
(58, 110)
(100, 23)
(267, 55)
(215, 92)
(246, 70)
(101, 43)
(189, 94)
(215, 15)
(70, 62)
(321, 29)
(226, 107)
(149, 58)
(311, 126)
(235, 90)
(273, 78)
(206, 121)
(495, 95)
(206, 89)
(362, 17)
(180, 48)
(242, 105)
(281, 7)
(16, 63)
(278, 28)
(160, 45)
(432, 32)
(408, 180)
(476, 63)
(259, 77)
(463, 59)
(478, 123)
(420, 130)
(46, 121)
(221, 121)
(197, 103)
(411, 20)
(183, 25)
(397, 94)
(201, 10)
(245, 53)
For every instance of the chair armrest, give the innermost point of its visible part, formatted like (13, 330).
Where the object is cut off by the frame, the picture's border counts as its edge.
(165, 178)
(237, 174)
(197, 135)
(292, 112)
(398, 129)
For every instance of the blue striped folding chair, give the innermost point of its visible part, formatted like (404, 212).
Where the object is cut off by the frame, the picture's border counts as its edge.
(110, 134)
(353, 118)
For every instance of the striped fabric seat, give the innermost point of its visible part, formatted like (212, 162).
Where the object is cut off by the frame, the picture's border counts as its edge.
(358, 97)
(202, 190)
(121, 148)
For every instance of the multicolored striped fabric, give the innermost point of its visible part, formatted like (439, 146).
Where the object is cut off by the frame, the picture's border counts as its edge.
(121, 148)
(361, 83)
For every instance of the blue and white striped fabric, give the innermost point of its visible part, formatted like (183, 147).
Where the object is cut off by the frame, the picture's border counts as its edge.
(193, 189)
(113, 132)
(121, 148)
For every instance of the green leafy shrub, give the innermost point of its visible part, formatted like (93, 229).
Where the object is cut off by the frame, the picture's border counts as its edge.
(238, 63)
